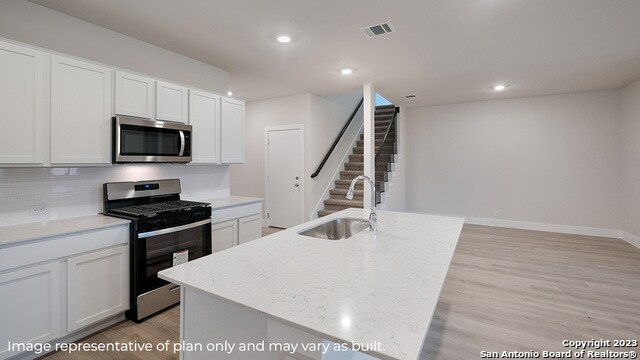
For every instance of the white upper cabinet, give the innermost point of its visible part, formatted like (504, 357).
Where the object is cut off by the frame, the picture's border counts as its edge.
(171, 102)
(232, 131)
(204, 116)
(80, 112)
(134, 95)
(22, 116)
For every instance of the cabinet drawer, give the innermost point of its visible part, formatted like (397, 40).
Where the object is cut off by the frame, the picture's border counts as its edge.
(235, 212)
(62, 246)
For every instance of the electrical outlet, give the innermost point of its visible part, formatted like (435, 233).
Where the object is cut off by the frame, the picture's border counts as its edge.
(39, 209)
(496, 213)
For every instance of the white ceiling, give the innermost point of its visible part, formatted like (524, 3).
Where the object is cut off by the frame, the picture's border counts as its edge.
(444, 51)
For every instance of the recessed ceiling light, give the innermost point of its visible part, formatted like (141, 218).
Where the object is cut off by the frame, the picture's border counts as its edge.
(346, 71)
(229, 93)
(500, 87)
(284, 38)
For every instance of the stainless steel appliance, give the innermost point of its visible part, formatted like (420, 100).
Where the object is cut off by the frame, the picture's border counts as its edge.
(165, 231)
(140, 140)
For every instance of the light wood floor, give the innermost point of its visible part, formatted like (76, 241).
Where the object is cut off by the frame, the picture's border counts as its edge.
(506, 290)
(525, 290)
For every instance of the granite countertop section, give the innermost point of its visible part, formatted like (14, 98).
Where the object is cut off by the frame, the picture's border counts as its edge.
(370, 287)
(231, 201)
(37, 230)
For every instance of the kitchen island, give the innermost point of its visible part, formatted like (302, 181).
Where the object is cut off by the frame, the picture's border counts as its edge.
(289, 296)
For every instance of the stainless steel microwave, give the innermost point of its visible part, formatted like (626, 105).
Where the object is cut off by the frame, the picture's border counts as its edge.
(140, 140)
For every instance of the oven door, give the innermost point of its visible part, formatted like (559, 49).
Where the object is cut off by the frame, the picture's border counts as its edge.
(161, 249)
(157, 250)
(139, 140)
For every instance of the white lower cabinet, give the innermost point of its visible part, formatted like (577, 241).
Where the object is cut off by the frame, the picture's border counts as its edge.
(249, 228)
(97, 286)
(224, 235)
(235, 232)
(30, 311)
(235, 225)
(84, 275)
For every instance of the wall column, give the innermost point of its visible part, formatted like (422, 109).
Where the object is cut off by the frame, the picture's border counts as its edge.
(369, 104)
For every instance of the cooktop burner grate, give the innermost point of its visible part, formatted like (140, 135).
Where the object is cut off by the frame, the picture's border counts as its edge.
(141, 210)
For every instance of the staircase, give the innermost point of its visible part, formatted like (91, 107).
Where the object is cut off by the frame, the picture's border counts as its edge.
(355, 166)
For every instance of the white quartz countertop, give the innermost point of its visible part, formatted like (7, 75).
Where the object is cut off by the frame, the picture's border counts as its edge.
(370, 287)
(231, 201)
(38, 230)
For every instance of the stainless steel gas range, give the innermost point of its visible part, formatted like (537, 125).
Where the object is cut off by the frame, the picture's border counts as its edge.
(165, 231)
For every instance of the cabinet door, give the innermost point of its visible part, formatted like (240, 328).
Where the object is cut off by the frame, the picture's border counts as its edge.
(21, 105)
(232, 131)
(224, 235)
(249, 228)
(80, 112)
(97, 286)
(134, 95)
(171, 102)
(204, 116)
(30, 311)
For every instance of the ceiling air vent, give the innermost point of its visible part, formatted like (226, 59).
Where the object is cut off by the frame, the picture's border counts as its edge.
(410, 96)
(379, 29)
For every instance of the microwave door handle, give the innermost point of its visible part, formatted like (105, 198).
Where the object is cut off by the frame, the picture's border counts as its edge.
(182, 143)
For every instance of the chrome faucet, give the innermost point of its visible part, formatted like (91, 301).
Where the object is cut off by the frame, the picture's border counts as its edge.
(373, 217)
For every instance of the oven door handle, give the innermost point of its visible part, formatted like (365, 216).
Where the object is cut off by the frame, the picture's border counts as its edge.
(173, 229)
(182, 143)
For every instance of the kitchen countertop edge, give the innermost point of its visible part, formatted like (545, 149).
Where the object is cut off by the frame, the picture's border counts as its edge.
(15, 234)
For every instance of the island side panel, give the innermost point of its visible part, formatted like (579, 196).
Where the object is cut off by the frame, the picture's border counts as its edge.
(206, 319)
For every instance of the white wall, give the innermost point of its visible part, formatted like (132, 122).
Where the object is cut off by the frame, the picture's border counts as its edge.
(328, 116)
(395, 196)
(631, 157)
(33, 24)
(549, 159)
(248, 179)
(322, 117)
(78, 191)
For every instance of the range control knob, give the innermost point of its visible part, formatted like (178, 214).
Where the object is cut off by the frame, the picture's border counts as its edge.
(159, 222)
(198, 215)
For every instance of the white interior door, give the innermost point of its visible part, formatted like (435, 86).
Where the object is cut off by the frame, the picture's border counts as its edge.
(284, 177)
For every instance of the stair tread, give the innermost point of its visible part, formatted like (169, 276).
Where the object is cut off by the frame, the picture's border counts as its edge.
(360, 172)
(322, 213)
(344, 202)
(344, 191)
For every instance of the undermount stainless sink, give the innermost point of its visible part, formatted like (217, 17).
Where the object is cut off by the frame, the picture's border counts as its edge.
(337, 229)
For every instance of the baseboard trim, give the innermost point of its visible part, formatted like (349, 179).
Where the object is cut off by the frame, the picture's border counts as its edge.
(73, 337)
(630, 238)
(564, 229)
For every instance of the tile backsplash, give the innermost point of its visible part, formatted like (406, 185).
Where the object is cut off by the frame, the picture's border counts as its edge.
(77, 191)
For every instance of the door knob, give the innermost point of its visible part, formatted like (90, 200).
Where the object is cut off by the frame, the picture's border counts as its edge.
(297, 178)
(296, 185)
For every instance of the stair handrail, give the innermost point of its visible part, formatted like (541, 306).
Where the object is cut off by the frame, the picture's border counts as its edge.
(335, 143)
(386, 134)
